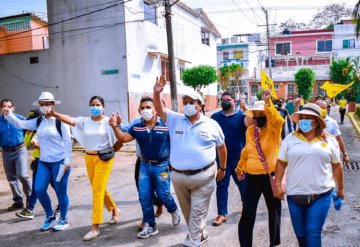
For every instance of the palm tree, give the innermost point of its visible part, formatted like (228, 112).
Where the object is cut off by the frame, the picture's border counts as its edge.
(356, 16)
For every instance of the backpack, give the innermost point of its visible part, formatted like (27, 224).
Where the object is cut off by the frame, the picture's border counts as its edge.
(57, 124)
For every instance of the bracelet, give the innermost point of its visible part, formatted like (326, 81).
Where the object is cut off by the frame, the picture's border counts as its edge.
(223, 169)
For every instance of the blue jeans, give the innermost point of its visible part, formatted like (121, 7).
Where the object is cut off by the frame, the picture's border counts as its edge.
(308, 220)
(16, 168)
(46, 174)
(223, 185)
(155, 177)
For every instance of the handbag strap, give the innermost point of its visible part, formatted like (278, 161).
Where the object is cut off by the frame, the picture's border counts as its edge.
(259, 150)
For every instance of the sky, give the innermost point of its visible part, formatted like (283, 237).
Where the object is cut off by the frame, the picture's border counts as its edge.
(229, 16)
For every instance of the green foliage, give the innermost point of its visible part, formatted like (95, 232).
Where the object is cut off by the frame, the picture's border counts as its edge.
(341, 71)
(357, 112)
(226, 73)
(199, 76)
(304, 80)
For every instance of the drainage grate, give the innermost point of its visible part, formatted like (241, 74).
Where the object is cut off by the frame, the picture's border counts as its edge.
(352, 166)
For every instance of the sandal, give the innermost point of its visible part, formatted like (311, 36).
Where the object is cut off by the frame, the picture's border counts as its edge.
(116, 217)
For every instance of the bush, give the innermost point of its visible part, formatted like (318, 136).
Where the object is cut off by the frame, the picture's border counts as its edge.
(357, 112)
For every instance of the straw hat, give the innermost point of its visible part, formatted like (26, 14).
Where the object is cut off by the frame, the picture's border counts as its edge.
(257, 106)
(46, 96)
(310, 109)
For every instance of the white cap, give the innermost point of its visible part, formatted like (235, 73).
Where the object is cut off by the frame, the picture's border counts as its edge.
(46, 96)
(194, 95)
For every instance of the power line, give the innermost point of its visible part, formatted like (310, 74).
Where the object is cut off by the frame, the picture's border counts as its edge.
(243, 12)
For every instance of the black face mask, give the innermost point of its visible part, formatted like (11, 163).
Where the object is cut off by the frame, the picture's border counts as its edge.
(279, 105)
(225, 105)
(260, 121)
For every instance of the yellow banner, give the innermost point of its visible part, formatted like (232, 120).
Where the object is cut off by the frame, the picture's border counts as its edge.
(267, 83)
(333, 89)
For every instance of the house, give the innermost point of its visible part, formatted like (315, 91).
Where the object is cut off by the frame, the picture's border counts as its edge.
(345, 44)
(115, 50)
(242, 49)
(23, 32)
(293, 50)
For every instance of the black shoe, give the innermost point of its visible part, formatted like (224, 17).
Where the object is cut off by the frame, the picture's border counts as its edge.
(16, 206)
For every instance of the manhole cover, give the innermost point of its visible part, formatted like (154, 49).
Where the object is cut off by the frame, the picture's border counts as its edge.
(352, 166)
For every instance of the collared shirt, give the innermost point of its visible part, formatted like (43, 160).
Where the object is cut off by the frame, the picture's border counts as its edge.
(309, 168)
(94, 135)
(331, 126)
(193, 146)
(234, 130)
(10, 136)
(270, 138)
(154, 143)
(53, 146)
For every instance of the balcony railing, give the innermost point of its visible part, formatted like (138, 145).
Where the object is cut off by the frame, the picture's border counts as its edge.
(286, 73)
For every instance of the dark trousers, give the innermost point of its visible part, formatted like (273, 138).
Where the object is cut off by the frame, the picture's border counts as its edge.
(342, 114)
(156, 199)
(255, 185)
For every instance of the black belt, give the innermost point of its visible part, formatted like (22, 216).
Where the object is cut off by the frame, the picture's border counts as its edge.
(14, 149)
(193, 172)
(154, 162)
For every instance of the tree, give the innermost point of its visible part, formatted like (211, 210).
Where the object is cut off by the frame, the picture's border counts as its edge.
(304, 80)
(340, 71)
(199, 76)
(236, 72)
(290, 25)
(224, 77)
(229, 74)
(330, 14)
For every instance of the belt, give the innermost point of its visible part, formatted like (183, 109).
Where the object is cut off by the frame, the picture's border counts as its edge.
(92, 153)
(154, 162)
(14, 149)
(193, 172)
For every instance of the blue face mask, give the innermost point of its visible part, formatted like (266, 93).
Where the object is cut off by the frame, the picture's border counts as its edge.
(96, 110)
(305, 125)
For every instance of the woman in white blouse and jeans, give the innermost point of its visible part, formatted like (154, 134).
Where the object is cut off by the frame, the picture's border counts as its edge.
(56, 148)
(312, 159)
(94, 133)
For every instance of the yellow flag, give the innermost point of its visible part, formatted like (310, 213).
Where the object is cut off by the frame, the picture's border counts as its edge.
(333, 89)
(267, 83)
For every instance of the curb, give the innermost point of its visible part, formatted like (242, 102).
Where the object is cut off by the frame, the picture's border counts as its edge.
(353, 122)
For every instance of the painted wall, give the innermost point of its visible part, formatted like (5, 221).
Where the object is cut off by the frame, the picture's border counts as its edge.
(345, 31)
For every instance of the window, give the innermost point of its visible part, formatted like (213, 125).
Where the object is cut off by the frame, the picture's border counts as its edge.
(165, 68)
(324, 45)
(34, 60)
(283, 48)
(276, 87)
(291, 90)
(238, 54)
(150, 12)
(348, 43)
(254, 88)
(205, 37)
(224, 41)
(17, 26)
(225, 56)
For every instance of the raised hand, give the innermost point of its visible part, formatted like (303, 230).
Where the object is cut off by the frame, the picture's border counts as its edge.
(52, 112)
(267, 96)
(159, 84)
(113, 121)
(118, 118)
(5, 110)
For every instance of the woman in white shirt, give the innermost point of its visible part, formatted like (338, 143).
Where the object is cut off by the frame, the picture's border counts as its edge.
(55, 159)
(95, 134)
(311, 158)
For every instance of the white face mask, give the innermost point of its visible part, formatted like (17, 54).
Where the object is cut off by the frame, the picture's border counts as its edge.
(45, 109)
(190, 110)
(147, 114)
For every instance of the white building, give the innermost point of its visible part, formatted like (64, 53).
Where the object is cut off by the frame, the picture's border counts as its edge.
(111, 49)
(242, 50)
(345, 43)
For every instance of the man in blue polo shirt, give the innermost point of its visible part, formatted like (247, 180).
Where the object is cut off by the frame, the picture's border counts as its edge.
(152, 136)
(14, 156)
(233, 123)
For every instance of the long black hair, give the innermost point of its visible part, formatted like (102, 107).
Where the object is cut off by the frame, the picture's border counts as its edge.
(98, 98)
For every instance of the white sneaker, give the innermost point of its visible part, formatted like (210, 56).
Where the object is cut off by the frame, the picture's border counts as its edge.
(176, 218)
(61, 225)
(148, 231)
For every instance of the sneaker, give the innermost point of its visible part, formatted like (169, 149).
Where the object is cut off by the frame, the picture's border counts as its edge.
(26, 214)
(61, 225)
(49, 222)
(148, 231)
(57, 211)
(176, 218)
(15, 207)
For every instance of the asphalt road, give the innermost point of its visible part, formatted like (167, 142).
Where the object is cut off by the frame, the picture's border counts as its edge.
(341, 228)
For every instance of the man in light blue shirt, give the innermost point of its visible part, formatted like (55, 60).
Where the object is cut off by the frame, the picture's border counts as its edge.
(194, 140)
(14, 156)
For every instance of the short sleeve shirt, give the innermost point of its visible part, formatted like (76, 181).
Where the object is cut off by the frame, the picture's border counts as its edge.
(309, 168)
(154, 143)
(331, 126)
(193, 146)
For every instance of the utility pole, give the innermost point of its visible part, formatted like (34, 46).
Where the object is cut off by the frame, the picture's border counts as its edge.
(268, 39)
(171, 58)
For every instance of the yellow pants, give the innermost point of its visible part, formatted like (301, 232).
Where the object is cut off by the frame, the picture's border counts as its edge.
(99, 172)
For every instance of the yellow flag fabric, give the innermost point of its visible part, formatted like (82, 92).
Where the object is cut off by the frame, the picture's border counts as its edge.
(267, 83)
(333, 89)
